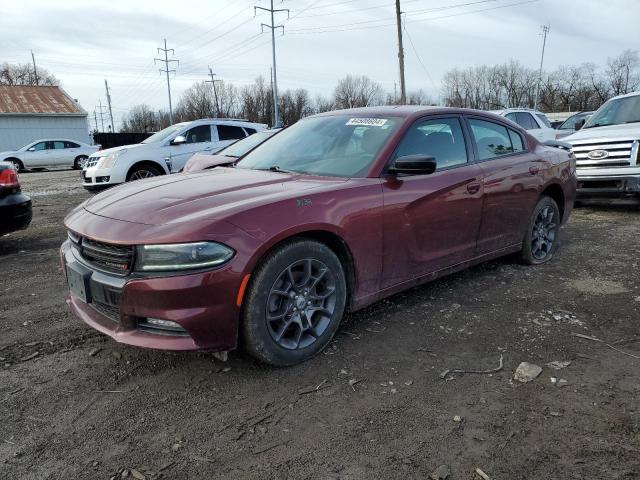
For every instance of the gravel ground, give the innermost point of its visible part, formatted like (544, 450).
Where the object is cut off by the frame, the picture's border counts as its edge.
(75, 405)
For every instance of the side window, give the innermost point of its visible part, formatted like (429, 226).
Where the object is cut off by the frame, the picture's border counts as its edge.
(71, 145)
(543, 118)
(58, 145)
(250, 131)
(40, 146)
(512, 116)
(516, 141)
(526, 121)
(199, 134)
(492, 140)
(440, 138)
(229, 132)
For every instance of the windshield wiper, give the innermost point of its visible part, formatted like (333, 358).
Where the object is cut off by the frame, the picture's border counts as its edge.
(276, 168)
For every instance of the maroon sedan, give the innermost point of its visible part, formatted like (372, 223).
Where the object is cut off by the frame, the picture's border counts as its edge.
(334, 213)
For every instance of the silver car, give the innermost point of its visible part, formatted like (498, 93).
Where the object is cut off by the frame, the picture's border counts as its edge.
(50, 153)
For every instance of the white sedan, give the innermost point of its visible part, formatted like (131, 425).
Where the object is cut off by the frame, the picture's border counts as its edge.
(59, 153)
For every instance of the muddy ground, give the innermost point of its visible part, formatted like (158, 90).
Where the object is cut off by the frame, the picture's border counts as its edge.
(75, 405)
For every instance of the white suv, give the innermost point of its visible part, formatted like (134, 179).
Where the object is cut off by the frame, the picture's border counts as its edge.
(534, 122)
(164, 152)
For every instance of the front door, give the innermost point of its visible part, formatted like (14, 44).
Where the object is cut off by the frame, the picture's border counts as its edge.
(511, 184)
(431, 221)
(38, 155)
(198, 140)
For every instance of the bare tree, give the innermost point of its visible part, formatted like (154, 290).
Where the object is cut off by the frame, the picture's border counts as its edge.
(196, 102)
(256, 102)
(622, 72)
(293, 105)
(357, 91)
(141, 118)
(23, 74)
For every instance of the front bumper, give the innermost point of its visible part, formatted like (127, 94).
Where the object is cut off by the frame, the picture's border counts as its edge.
(98, 178)
(201, 303)
(15, 212)
(607, 185)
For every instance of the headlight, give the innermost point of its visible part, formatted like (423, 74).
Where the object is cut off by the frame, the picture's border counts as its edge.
(181, 256)
(110, 160)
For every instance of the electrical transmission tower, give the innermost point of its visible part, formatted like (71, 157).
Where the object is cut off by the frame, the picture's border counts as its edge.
(106, 86)
(167, 70)
(100, 110)
(545, 30)
(215, 93)
(273, 28)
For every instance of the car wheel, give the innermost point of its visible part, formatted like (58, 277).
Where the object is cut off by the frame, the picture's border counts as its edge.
(294, 304)
(79, 162)
(142, 172)
(17, 164)
(541, 239)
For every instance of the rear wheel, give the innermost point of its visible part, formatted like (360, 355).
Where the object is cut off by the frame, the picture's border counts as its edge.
(19, 166)
(541, 239)
(79, 162)
(294, 304)
(141, 172)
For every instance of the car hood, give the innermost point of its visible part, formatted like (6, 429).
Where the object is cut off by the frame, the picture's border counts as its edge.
(210, 195)
(104, 153)
(201, 162)
(625, 130)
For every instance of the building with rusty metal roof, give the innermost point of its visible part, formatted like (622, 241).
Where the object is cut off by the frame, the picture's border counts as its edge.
(29, 113)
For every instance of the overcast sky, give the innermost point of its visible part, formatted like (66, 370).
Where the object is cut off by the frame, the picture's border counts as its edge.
(82, 42)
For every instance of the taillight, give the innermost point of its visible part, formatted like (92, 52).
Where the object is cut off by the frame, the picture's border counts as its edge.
(9, 178)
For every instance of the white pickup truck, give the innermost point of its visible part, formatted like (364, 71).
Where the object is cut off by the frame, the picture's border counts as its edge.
(607, 149)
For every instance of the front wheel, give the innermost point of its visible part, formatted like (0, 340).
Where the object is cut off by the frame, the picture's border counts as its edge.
(541, 240)
(79, 162)
(142, 172)
(294, 304)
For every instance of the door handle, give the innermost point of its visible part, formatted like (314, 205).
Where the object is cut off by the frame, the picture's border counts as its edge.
(534, 170)
(473, 188)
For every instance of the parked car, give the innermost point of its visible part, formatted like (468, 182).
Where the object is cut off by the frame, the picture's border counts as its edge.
(334, 213)
(164, 152)
(230, 154)
(607, 149)
(534, 122)
(15, 208)
(57, 153)
(569, 125)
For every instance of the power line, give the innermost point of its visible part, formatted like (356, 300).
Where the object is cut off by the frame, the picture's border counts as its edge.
(167, 70)
(215, 93)
(273, 28)
(403, 88)
(101, 112)
(415, 51)
(545, 30)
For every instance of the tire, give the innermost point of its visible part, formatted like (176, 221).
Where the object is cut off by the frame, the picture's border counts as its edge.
(17, 163)
(78, 163)
(304, 310)
(143, 171)
(541, 239)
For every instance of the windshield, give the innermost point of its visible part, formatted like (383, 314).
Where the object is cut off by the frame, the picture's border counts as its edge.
(570, 123)
(162, 135)
(615, 112)
(337, 146)
(241, 147)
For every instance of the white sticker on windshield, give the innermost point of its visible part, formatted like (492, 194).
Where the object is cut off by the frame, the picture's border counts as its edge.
(369, 122)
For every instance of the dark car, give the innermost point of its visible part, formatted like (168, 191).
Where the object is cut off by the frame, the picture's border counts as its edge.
(332, 214)
(202, 161)
(568, 127)
(15, 208)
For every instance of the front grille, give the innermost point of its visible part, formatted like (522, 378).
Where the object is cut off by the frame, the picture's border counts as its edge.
(112, 312)
(109, 257)
(92, 162)
(619, 153)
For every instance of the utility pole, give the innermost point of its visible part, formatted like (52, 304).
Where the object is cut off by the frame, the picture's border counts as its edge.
(167, 70)
(273, 28)
(35, 70)
(215, 93)
(106, 85)
(403, 90)
(95, 118)
(101, 112)
(545, 30)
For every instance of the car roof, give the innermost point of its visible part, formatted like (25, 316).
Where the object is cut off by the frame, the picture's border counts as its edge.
(514, 109)
(405, 111)
(630, 94)
(55, 140)
(223, 121)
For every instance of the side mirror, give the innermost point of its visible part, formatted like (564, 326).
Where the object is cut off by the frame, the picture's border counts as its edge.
(179, 140)
(578, 125)
(414, 165)
(32, 149)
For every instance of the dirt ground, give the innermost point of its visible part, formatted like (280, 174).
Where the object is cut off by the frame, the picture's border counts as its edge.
(74, 404)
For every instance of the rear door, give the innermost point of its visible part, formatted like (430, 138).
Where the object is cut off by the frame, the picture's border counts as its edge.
(60, 154)
(431, 221)
(511, 183)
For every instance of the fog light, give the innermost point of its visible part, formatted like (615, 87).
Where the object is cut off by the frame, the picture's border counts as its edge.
(159, 326)
(102, 179)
